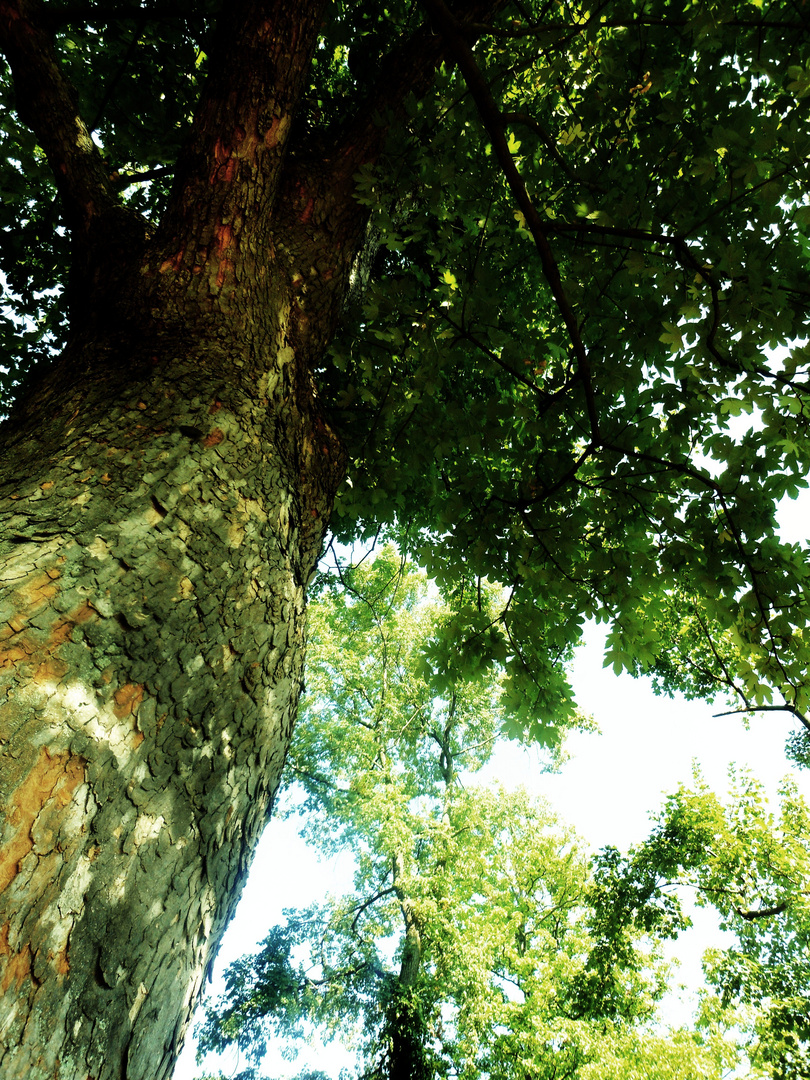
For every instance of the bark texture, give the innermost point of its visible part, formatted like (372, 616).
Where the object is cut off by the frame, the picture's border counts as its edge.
(164, 491)
(152, 615)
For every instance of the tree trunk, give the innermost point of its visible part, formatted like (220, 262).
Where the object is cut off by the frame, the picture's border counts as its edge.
(160, 531)
(164, 490)
(404, 1029)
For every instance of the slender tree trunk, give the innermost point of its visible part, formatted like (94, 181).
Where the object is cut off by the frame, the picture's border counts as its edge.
(405, 1027)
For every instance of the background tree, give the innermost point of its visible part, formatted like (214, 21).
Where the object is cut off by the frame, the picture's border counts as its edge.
(750, 864)
(555, 243)
(485, 896)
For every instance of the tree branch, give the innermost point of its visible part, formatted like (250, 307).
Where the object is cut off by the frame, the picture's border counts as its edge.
(768, 708)
(232, 161)
(368, 903)
(524, 120)
(47, 103)
(317, 205)
(762, 913)
(492, 119)
(123, 180)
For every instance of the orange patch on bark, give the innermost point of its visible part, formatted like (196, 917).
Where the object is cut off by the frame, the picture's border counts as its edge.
(44, 793)
(35, 592)
(60, 962)
(30, 640)
(225, 164)
(52, 669)
(24, 642)
(224, 235)
(270, 137)
(127, 698)
(41, 650)
(17, 966)
(11, 656)
(173, 263)
(213, 438)
(82, 614)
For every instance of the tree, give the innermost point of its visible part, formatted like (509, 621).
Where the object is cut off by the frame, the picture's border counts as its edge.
(374, 769)
(504, 965)
(753, 867)
(510, 277)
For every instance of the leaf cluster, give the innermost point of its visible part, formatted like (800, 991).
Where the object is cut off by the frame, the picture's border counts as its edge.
(753, 867)
(605, 458)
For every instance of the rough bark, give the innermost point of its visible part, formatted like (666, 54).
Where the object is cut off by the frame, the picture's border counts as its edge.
(153, 625)
(164, 490)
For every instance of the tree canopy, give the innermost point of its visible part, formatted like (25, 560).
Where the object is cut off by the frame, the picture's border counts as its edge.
(520, 285)
(481, 938)
(572, 360)
(751, 865)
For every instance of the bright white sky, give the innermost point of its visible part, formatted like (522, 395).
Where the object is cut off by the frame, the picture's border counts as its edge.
(613, 783)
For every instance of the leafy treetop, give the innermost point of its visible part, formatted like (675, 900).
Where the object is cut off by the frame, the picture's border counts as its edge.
(480, 938)
(753, 866)
(475, 941)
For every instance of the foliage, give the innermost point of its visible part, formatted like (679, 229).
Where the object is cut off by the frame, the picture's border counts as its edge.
(632, 465)
(109, 60)
(554, 370)
(753, 867)
(475, 942)
(571, 381)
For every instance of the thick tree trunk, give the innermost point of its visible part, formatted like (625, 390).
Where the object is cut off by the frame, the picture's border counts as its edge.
(160, 527)
(164, 490)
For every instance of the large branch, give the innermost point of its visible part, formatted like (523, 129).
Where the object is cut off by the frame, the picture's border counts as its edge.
(233, 216)
(454, 34)
(212, 257)
(47, 103)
